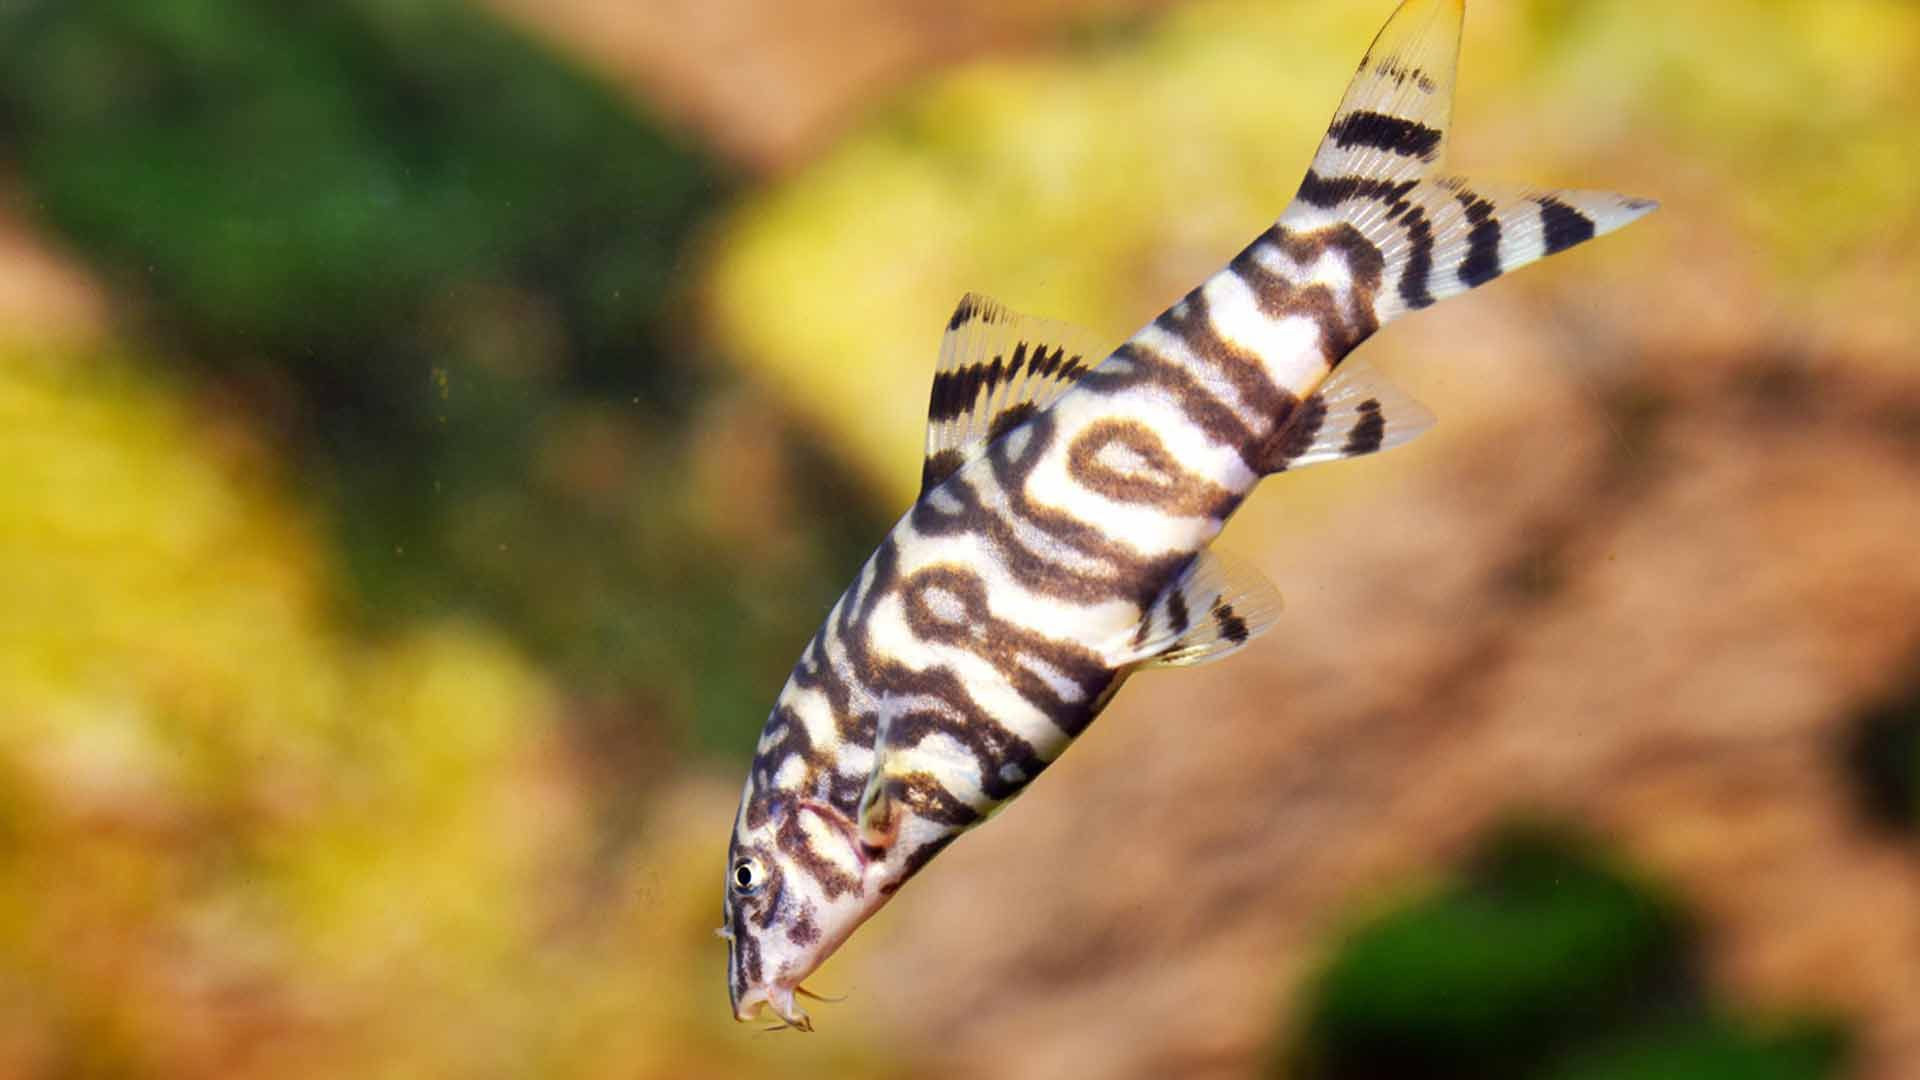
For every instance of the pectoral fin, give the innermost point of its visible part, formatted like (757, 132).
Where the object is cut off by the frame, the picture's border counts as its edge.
(879, 823)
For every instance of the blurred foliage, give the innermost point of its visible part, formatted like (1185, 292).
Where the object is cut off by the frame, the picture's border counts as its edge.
(1714, 1049)
(1544, 960)
(453, 268)
(1882, 757)
(244, 829)
(1098, 184)
(237, 839)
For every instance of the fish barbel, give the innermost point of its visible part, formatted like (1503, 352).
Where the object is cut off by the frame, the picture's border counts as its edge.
(1068, 497)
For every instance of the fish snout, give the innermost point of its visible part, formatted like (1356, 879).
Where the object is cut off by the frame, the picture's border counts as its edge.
(779, 999)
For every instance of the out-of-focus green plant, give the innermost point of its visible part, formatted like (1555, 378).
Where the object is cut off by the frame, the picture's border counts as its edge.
(298, 183)
(1544, 959)
(238, 839)
(454, 269)
(1714, 1049)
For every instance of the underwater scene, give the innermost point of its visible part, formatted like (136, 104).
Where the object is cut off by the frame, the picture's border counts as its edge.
(431, 432)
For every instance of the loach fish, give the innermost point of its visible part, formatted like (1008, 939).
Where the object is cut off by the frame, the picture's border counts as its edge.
(1067, 499)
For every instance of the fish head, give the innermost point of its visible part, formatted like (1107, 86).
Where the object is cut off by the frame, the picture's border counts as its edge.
(797, 886)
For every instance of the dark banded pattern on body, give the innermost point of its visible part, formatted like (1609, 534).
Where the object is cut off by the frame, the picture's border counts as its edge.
(1173, 430)
(1069, 496)
(1125, 461)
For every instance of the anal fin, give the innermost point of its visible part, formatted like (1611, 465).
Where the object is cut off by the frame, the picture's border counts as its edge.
(1215, 607)
(1356, 411)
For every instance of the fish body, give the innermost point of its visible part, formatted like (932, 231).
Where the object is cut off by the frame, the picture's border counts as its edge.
(1069, 495)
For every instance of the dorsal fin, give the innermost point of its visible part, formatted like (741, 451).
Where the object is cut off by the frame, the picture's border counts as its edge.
(997, 367)
(1213, 608)
(1357, 411)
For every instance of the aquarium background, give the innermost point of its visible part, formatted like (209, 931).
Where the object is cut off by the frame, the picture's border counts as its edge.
(429, 431)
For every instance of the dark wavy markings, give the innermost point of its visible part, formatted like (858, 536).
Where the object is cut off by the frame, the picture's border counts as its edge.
(1128, 576)
(1070, 716)
(1342, 329)
(820, 777)
(816, 669)
(765, 799)
(857, 728)
(1294, 437)
(953, 515)
(945, 604)
(1328, 193)
(1393, 134)
(1010, 419)
(794, 741)
(1033, 569)
(940, 466)
(843, 790)
(816, 672)
(804, 932)
(746, 962)
(1157, 479)
(948, 605)
(1191, 322)
(992, 746)
(915, 862)
(791, 837)
(960, 718)
(1143, 367)
(928, 799)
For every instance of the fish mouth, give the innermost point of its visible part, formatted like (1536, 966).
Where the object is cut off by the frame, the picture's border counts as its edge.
(779, 998)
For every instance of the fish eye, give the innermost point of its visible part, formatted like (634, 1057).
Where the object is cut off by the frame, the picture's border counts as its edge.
(748, 876)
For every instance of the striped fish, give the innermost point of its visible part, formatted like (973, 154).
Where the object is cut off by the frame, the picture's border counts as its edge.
(1067, 499)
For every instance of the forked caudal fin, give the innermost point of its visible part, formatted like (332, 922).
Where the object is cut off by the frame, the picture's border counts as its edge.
(1380, 171)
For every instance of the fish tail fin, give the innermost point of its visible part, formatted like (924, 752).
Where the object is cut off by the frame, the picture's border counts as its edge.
(1380, 172)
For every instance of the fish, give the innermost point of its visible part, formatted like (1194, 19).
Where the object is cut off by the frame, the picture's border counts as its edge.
(1069, 493)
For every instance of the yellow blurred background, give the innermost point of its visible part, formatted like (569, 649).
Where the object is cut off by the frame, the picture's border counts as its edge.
(429, 430)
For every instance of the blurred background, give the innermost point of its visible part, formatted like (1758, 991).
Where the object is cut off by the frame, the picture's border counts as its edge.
(430, 429)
